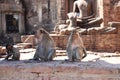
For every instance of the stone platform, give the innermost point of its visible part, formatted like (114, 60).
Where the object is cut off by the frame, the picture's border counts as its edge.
(94, 67)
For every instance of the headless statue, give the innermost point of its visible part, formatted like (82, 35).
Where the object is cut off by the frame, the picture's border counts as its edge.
(86, 14)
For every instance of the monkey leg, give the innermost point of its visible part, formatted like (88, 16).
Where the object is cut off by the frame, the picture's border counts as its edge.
(51, 54)
(78, 54)
(85, 54)
(15, 58)
(8, 55)
(39, 54)
(69, 54)
(36, 55)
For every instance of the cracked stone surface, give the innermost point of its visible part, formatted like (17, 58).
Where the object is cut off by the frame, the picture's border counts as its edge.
(96, 66)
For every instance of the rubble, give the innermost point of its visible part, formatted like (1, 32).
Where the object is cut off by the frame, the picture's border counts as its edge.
(2, 50)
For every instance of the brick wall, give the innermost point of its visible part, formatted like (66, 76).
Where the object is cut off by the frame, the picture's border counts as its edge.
(111, 11)
(60, 41)
(104, 42)
(98, 42)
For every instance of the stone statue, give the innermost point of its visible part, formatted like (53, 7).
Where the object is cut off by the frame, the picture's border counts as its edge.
(17, 1)
(86, 14)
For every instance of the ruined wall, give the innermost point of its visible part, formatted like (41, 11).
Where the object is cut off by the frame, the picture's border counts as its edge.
(42, 13)
(60, 41)
(103, 43)
(31, 15)
(61, 11)
(13, 8)
(64, 7)
(111, 11)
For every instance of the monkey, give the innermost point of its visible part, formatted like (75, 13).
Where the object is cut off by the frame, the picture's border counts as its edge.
(12, 52)
(45, 46)
(75, 48)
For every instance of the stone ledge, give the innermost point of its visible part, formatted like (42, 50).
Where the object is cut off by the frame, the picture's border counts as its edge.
(58, 70)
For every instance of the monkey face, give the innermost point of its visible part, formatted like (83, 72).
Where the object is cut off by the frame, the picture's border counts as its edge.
(9, 48)
(39, 35)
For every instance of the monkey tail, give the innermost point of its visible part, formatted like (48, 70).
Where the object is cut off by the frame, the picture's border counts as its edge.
(70, 40)
(85, 54)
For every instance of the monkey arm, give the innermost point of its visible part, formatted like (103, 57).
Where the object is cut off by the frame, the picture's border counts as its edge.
(85, 54)
(16, 54)
(51, 54)
(8, 55)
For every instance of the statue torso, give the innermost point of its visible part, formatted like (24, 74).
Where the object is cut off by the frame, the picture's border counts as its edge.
(85, 7)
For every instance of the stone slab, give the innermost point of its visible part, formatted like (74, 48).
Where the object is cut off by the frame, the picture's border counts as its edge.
(93, 67)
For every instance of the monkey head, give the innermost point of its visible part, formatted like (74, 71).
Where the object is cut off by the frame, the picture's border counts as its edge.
(9, 47)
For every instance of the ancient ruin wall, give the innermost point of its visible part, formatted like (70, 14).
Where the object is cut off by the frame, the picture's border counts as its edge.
(41, 13)
(103, 43)
(111, 11)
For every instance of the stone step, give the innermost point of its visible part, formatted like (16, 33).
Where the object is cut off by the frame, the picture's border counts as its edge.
(24, 45)
(60, 52)
(2, 50)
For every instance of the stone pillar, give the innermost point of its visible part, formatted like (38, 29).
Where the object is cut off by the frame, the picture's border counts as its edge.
(100, 10)
(21, 24)
(53, 9)
(70, 5)
(40, 11)
(106, 11)
(3, 22)
(61, 11)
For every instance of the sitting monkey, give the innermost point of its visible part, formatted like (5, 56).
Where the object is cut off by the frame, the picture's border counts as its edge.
(12, 52)
(75, 48)
(45, 46)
